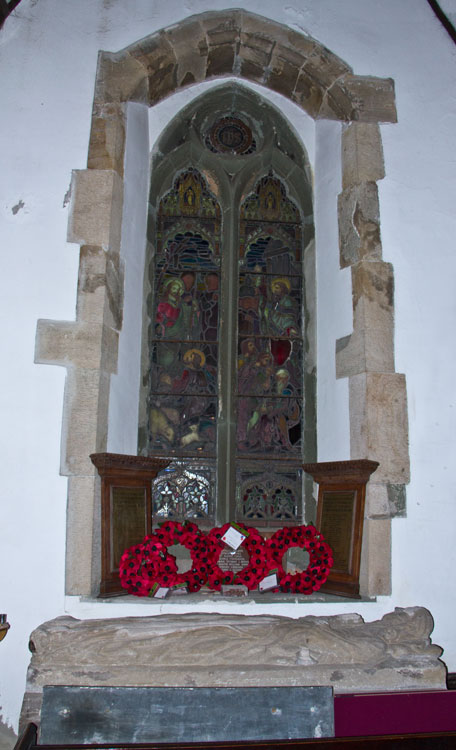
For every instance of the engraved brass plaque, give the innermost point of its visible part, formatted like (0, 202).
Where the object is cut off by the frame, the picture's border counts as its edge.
(337, 525)
(129, 520)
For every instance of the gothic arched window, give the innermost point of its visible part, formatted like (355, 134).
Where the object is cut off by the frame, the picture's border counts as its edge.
(225, 392)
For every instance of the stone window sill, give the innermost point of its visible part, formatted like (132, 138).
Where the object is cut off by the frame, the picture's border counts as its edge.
(194, 600)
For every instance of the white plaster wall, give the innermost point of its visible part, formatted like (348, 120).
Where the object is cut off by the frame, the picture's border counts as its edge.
(334, 303)
(48, 57)
(123, 397)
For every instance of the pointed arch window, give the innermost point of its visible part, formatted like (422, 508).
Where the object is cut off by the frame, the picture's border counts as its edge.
(225, 371)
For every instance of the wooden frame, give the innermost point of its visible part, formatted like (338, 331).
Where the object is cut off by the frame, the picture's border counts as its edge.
(126, 509)
(340, 518)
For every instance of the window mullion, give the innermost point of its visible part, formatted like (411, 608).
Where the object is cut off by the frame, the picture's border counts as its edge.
(226, 440)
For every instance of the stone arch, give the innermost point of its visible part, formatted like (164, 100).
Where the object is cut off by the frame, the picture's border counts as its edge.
(243, 45)
(231, 43)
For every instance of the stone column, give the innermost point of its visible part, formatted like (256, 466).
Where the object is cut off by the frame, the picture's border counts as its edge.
(378, 404)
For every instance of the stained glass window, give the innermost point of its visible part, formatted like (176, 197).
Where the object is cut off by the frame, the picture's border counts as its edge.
(226, 352)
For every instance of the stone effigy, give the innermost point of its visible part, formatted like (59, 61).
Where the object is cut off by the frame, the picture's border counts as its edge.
(194, 650)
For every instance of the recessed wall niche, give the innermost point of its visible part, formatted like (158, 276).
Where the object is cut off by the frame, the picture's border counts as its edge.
(143, 74)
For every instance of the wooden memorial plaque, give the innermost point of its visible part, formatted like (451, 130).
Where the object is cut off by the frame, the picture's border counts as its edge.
(340, 518)
(126, 509)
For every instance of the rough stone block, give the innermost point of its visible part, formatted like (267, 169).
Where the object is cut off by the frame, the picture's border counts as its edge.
(157, 57)
(96, 208)
(259, 44)
(284, 54)
(285, 66)
(191, 64)
(385, 500)
(372, 284)
(370, 348)
(362, 154)
(114, 291)
(85, 419)
(377, 504)
(364, 351)
(152, 68)
(360, 98)
(222, 32)
(153, 52)
(373, 313)
(254, 55)
(100, 287)
(305, 45)
(120, 78)
(225, 30)
(107, 138)
(375, 575)
(82, 494)
(54, 342)
(59, 342)
(221, 60)
(359, 224)
(325, 67)
(278, 34)
(378, 424)
(308, 94)
(397, 499)
(162, 81)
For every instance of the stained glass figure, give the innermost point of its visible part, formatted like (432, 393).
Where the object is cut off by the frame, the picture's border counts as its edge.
(183, 388)
(270, 352)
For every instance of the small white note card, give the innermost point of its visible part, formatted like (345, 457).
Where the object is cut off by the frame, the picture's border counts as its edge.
(234, 536)
(270, 582)
(158, 592)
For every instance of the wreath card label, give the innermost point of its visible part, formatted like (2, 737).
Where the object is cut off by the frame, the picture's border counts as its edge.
(158, 592)
(269, 582)
(234, 536)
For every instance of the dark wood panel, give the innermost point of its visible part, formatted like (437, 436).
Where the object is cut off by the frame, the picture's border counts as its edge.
(126, 512)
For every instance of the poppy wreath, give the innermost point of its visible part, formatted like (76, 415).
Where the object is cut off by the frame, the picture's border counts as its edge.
(320, 558)
(143, 565)
(148, 563)
(257, 567)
